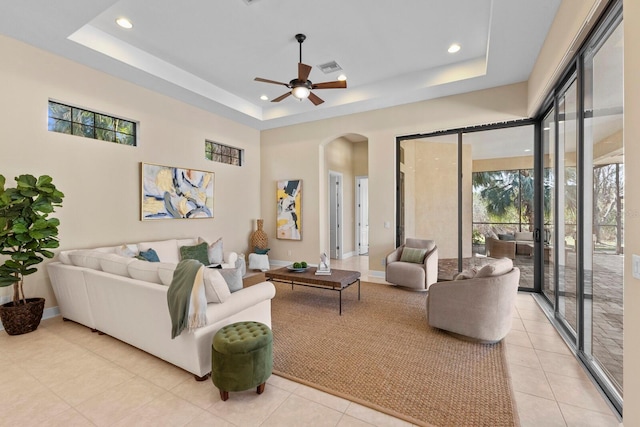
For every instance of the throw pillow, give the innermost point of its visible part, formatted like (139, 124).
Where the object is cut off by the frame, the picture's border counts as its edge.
(491, 234)
(258, 262)
(413, 255)
(233, 277)
(466, 274)
(197, 252)
(496, 268)
(241, 264)
(167, 250)
(129, 251)
(215, 287)
(259, 251)
(148, 255)
(215, 252)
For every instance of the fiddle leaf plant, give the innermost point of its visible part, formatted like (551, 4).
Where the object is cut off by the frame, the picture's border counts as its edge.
(26, 232)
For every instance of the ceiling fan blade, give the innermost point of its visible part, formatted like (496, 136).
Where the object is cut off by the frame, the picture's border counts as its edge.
(303, 71)
(259, 79)
(330, 85)
(281, 97)
(314, 98)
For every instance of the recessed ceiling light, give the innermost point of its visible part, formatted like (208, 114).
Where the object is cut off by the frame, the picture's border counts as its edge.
(264, 97)
(342, 78)
(526, 150)
(453, 48)
(124, 23)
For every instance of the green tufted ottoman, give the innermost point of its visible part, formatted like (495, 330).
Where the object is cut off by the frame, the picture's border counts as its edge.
(241, 357)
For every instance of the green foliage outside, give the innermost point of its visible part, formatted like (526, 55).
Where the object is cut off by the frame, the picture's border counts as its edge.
(26, 232)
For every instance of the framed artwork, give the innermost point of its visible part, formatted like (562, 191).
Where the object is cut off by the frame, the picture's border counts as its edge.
(289, 216)
(169, 192)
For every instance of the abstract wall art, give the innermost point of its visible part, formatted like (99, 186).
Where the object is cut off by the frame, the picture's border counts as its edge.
(169, 192)
(289, 216)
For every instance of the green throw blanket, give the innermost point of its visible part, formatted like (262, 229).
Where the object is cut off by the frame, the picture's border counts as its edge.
(186, 297)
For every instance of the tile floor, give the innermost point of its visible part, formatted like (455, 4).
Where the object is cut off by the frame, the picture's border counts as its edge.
(63, 374)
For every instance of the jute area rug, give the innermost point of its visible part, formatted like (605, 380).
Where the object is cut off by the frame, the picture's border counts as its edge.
(382, 353)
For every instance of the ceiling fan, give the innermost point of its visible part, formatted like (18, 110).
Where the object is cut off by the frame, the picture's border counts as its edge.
(301, 87)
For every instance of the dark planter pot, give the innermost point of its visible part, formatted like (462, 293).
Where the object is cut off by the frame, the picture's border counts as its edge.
(22, 318)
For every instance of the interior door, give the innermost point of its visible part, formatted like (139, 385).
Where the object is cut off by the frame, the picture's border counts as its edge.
(335, 215)
(362, 214)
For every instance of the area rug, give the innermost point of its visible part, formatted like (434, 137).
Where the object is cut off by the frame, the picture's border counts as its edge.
(382, 353)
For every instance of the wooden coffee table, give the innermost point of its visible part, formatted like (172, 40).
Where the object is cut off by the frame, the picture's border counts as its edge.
(338, 280)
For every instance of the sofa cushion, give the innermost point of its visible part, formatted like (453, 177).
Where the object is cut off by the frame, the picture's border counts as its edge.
(147, 271)
(149, 255)
(215, 287)
(415, 255)
(233, 277)
(215, 251)
(524, 235)
(241, 264)
(491, 234)
(197, 252)
(86, 258)
(507, 237)
(116, 264)
(167, 250)
(165, 272)
(496, 268)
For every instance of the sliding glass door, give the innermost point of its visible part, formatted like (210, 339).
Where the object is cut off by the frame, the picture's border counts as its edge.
(583, 161)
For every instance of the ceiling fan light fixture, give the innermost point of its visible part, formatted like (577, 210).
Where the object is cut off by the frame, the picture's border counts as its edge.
(300, 92)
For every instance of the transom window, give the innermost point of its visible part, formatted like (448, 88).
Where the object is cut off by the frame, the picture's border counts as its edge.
(223, 153)
(89, 124)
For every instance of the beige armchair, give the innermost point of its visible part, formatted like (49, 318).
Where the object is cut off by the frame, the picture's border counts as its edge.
(417, 275)
(480, 308)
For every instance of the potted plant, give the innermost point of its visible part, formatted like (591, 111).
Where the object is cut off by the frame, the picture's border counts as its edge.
(26, 236)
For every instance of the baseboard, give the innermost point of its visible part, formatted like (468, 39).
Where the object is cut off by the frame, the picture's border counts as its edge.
(48, 313)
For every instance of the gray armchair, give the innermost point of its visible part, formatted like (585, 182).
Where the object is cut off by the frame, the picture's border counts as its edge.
(413, 275)
(480, 308)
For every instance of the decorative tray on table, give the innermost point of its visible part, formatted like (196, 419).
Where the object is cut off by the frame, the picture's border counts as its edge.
(293, 269)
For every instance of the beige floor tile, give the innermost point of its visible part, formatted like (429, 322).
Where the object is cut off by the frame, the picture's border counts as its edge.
(283, 383)
(562, 364)
(69, 418)
(73, 365)
(520, 338)
(118, 402)
(298, 411)
(530, 381)
(523, 356)
(579, 417)
(322, 398)
(536, 411)
(157, 370)
(532, 314)
(553, 344)
(517, 324)
(207, 419)
(247, 408)
(349, 421)
(201, 393)
(526, 301)
(374, 417)
(91, 383)
(539, 327)
(577, 392)
(33, 409)
(165, 410)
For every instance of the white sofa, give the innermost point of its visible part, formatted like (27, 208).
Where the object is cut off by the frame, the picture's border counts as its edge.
(126, 298)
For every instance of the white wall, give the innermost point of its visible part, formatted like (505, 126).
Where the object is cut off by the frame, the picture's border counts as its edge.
(101, 180)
